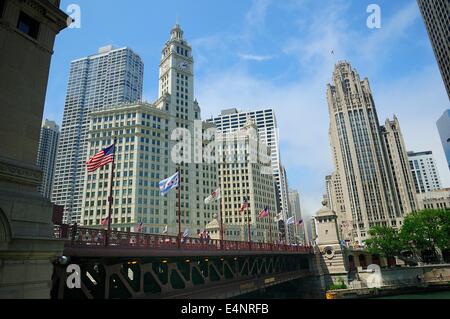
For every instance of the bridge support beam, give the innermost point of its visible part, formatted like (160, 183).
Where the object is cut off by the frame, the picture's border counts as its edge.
(153, 278)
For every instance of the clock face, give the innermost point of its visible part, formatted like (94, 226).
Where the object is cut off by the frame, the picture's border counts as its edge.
(183, 65)
(165, 67)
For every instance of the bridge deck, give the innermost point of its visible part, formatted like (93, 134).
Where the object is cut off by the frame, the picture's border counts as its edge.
(87, 242)
(182, 252)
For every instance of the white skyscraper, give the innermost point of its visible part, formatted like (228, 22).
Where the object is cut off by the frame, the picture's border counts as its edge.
(231, 120)
(146, 138)
(48, 145)
(425, 172)
(242, 176)
(111, 77)
(294, 201)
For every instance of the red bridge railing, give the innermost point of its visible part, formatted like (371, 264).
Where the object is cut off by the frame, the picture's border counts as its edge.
(96, 238)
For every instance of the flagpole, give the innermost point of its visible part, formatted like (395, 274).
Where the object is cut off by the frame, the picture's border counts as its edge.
(249, 229)
(304, 234)
(221, 223)
(270, 231)
(110, 198)
(179, 206)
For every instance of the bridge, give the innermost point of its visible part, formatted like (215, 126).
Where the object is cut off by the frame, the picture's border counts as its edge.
(116, 264)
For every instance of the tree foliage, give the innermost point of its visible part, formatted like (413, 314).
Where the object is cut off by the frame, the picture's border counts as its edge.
(384, 241)
(427, 230)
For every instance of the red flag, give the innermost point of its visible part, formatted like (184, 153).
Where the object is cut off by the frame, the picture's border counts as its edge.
(105, 221)
(101, 159)
(264, 213)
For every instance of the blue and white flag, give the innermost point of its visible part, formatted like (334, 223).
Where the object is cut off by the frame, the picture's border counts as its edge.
(290, 221)
(186, 233)
(169, 183)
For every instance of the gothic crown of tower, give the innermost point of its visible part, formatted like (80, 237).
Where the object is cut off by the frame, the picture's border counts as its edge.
(176, 32)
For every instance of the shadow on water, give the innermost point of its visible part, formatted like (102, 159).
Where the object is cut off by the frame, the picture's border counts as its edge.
(288, 290)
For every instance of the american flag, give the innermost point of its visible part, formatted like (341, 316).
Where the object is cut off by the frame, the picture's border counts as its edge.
(105, 221)
(101, 159)
(264, 213)
(244, 205)
(139, 227)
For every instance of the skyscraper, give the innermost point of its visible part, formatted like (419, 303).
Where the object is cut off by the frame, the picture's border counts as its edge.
(243, 177)
(148, 136)
(111, 77)
(48, 145)
(436, 15)
(403, 187)
(231, 120)
(291, 230)
(443, 125)
(294, 202)
(370, 161)
(425, 172)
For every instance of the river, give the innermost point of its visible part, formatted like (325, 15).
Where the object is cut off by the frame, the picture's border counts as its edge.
(424, 295)
(291, 290)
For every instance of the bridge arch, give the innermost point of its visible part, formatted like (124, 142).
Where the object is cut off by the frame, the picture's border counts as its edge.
(5, 230)
(362, 261)
(351, 263)
(376, 259)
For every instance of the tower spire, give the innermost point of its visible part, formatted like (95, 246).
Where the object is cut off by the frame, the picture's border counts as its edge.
(176, 32)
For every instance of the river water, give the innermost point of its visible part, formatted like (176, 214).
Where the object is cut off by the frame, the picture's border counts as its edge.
(425, 295)
(291, 290)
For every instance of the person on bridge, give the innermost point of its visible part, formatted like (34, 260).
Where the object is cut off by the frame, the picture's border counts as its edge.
(99, 237)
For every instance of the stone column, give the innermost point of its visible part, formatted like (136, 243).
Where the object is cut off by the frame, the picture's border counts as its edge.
(27, 247)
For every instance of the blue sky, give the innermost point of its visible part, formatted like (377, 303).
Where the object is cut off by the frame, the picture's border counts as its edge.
(276, 53)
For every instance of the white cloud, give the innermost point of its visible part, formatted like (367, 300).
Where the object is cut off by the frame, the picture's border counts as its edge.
(253, 57)
(256, 16)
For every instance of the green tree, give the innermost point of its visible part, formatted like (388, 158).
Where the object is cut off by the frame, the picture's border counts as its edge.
(384, 241)
(427, 230)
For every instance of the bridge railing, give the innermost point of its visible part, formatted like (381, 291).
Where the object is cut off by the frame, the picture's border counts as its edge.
(97, 238)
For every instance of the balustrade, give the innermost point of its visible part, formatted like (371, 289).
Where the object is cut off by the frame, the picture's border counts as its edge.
(96, 238)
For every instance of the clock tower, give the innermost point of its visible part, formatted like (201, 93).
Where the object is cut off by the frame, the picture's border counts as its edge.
(176, 75)
(184, 149)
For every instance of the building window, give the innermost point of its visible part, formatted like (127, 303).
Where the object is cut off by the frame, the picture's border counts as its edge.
(28, 25)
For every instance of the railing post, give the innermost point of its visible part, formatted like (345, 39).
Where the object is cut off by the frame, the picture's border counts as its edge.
(74, 232)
